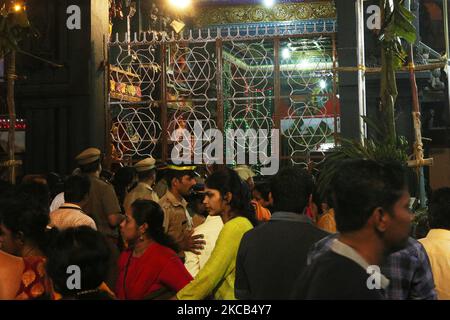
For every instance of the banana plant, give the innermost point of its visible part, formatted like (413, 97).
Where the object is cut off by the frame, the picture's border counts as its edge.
(383, 144)
(14, 27)
(398, 26)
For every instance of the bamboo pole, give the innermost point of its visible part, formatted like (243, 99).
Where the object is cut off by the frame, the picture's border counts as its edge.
(11, 77)
(419, 162)
(424, 67)
(108, 121)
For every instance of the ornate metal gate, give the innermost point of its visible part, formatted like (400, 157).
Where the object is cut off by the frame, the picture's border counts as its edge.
(262, 78)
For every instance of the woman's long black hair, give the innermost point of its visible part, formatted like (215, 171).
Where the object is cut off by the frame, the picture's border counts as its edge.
(148, 211)
(121, 182)
(227, 180)
(28, 219)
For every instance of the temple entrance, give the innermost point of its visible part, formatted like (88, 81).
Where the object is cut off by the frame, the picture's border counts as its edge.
(231, 78)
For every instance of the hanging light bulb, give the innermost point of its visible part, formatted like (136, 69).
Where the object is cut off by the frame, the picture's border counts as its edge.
(269, 3)
(286, 53)
(18, 6)
(180, 4)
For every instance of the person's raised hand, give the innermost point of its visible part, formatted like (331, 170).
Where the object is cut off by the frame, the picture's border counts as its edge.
(193, 243)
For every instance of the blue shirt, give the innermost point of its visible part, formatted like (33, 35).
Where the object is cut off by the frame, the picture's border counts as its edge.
(408, 270)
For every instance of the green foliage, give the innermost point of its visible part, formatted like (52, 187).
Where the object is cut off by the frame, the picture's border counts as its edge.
(421, 223)
(384, 145)
(397, 26)
(374, 148)
(14, 27)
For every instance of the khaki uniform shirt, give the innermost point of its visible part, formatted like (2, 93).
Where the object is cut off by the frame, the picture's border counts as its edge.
(101, 203)
(176, 217)
(161, 188)
(142, 192)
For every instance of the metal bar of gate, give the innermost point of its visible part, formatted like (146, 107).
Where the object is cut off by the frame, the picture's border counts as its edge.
(447, 49)
(359, 6)
(219, 86)
(277, 82)
(334, 91)
(164, 122)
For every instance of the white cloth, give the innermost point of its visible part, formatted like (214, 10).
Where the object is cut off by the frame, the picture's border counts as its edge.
(57, 202)
(70, 216)
(210, 230)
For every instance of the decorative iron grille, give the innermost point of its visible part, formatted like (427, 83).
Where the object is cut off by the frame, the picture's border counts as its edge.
(226, 78)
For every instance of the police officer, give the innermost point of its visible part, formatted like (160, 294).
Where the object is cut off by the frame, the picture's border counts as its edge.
(177, 221)
(102, 205)
(146, 171)
(161, 183)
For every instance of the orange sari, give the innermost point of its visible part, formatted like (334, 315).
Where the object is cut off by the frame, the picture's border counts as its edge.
(262, 214)
(35, 283)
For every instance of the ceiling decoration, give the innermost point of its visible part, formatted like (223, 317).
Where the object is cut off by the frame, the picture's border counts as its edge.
(224, 15)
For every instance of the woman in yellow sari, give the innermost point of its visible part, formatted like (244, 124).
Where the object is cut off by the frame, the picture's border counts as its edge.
(227, 196)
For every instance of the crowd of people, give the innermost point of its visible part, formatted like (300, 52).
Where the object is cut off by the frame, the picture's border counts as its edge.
(167, 232)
